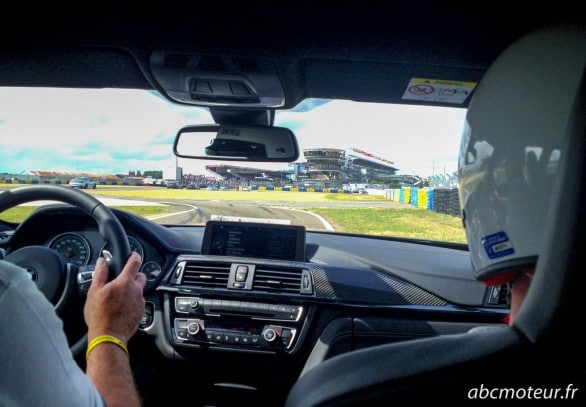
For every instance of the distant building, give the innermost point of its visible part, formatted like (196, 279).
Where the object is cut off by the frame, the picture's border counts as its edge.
(333, 167)
(362, 166)
(323, 167)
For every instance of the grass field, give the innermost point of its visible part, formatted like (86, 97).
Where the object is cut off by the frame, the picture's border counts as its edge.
(157, 193)
(400, 220)
(414, 223)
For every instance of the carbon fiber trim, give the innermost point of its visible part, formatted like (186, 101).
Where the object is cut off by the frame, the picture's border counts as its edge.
(367, 285)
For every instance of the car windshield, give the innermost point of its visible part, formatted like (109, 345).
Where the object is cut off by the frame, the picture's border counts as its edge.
(365, 168)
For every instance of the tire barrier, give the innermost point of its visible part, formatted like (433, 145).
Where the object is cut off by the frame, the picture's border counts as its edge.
(441, 200)
(447, 201)
(414, 197)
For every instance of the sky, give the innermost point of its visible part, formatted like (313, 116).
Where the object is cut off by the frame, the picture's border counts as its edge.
(93, 130)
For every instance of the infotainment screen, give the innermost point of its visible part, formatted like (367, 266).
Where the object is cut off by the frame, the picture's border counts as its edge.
(261, 240)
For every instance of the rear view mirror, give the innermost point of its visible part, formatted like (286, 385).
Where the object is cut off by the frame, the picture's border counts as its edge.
(237, 143)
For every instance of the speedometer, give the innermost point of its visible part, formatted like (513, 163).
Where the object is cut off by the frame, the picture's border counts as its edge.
(74, 247)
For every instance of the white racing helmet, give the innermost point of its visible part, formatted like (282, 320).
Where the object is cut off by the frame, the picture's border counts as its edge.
(511, 146)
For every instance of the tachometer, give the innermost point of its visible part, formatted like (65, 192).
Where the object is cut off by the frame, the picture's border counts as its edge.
(73, 246)
(135, 246)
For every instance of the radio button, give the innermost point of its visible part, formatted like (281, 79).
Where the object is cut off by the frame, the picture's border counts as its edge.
(182, 333)
(263, 307)
(182, 304)
(245, 305)
(227, 304)
(181, 328)
(232, 338)
(286, 336)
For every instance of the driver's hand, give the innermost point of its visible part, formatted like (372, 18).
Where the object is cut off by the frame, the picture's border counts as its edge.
(115, 307)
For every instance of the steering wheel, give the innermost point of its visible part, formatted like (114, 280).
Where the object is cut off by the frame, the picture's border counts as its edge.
(55, 277)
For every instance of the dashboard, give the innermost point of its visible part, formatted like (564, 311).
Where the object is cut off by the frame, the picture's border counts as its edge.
(75, 235)
(297, 299)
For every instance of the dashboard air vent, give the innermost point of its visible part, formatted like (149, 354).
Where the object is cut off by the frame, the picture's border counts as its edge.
(278, 279)
(206, 274)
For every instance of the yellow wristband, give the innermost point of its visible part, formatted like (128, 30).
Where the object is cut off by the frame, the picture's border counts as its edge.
(104, 338)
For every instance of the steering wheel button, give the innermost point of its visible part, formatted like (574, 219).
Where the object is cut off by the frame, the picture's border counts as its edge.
(84, 287)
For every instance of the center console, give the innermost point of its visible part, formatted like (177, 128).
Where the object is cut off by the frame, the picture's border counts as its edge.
(235, 324)
(243, 292)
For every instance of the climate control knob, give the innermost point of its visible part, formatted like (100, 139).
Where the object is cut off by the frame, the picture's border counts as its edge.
(270, 335)
(193, 328)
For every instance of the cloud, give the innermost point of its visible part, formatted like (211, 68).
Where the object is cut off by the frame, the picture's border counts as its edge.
(48, 129)
(419, 140)
(117, 130)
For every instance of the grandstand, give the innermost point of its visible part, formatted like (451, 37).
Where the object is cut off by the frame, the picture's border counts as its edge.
(361, 166)
(322, 167)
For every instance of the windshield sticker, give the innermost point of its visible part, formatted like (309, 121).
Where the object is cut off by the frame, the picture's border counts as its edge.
(497, 245)
(434, 90)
